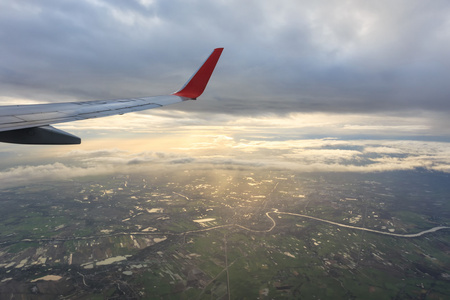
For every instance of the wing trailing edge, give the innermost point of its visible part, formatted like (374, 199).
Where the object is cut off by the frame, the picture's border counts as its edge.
(30, 124)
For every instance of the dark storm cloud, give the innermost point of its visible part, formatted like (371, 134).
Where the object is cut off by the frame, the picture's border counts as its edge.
(280, 56)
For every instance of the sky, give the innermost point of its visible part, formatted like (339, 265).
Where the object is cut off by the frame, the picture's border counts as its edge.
(358, 86)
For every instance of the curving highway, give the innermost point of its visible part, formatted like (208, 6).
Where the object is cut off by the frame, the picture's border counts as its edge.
(410, 235)
(274, 224)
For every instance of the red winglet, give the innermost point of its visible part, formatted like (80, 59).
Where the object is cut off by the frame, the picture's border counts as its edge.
(196, 85)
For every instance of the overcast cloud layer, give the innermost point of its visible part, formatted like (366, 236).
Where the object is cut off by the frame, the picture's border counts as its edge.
(280, 56)
(342, 86)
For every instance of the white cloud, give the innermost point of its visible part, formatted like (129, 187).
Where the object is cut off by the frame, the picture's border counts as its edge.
(280, 57)
(24, 175)
(217, 151)
(292, 73)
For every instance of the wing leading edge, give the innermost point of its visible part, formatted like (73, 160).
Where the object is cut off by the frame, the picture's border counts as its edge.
(30, 124)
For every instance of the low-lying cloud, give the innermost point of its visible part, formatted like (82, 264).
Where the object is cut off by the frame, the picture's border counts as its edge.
(304, 155)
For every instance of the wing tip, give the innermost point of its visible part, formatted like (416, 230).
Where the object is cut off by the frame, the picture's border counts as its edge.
(195, 86)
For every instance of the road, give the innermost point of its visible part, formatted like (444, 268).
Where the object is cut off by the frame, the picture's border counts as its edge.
(409, 235)
(274, 224)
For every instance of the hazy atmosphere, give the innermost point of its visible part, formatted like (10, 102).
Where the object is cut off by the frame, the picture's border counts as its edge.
(302, 87)
(328, 71)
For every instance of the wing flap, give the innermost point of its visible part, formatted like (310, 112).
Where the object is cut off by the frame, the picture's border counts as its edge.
(9, 120)
(41, 116)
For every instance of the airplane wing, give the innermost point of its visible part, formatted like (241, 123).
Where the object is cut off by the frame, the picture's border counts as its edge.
(30, 124)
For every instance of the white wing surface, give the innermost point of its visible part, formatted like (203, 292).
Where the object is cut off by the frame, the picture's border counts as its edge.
(30, 124)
